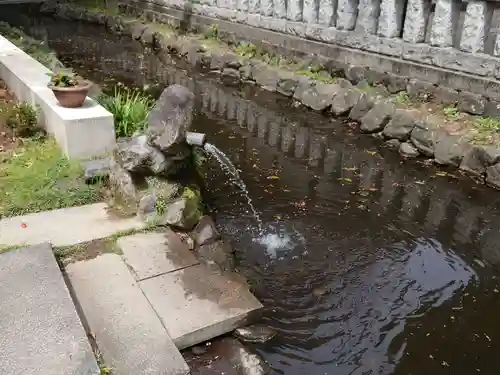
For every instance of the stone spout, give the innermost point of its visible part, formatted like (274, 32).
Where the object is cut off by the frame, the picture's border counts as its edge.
(196, 139)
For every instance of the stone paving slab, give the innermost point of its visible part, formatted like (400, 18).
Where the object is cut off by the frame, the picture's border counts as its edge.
(64, 227)
(196, 304)
(153, 254)
(41, 332)
(127, 330)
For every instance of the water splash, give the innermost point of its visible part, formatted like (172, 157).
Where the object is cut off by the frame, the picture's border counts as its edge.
(229, 168)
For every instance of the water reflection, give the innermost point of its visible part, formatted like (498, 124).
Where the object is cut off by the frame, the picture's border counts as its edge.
(368, 266)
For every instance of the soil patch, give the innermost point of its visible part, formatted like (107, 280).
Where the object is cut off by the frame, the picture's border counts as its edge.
(7, 101)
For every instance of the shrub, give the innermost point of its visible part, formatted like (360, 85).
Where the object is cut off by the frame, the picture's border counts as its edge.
(130, 109)
(22, 120)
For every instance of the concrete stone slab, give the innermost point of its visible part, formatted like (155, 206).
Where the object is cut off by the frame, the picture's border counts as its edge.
(153, 254)
(63, 227)
(127, 330)
(41, 332)
(196, 305)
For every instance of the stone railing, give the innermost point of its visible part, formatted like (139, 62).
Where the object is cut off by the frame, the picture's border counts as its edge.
(446, 43)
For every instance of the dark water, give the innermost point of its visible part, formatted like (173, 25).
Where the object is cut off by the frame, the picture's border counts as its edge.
(368, 265)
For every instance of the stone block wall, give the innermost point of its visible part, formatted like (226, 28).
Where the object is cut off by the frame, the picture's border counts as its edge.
(446, 43)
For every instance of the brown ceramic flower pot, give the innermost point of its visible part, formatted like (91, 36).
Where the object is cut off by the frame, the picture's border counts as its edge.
(72, 97)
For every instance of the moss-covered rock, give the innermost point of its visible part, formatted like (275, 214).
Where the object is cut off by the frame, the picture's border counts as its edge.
(185, 212)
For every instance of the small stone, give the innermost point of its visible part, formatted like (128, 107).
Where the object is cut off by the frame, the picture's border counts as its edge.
(408, 150)
(450, 150)
(374, 77)
(378, 117)
(345, 100)
(395, 83)
(400, 126)
(392, 144)
(446, 96)
(230, 76)
(226, 60)
(355, 74)
(344, 83)
(255, 333)
(199, 350)
(205, 231)
(362, 107)
(170, 118)
(420, 90)
(471, 103)
(195, 58)
(319, 97)
(96, 168)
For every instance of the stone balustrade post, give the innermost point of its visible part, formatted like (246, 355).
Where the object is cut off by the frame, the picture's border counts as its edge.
(476, 26)
(266, 8)
(326, 12)
(347, 12)
(368, 14)
(417, 15)
(445, 23)
(243, 5)
(390, 21)
(310, 11)
(253, 6)
(294, 10)
(279, 9)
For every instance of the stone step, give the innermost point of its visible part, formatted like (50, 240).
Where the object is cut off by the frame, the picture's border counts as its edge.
(41, 332)
(64, 227)
(194, 303)
(127, 330)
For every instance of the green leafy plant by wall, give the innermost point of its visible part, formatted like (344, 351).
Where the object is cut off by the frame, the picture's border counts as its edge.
(130, 109)
(22, 120)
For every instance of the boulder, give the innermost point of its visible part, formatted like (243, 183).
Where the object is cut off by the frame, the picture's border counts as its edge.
(266, 78)
(420, 90)
(287, 83)
(170, 118)
(226, 60)
(137, 30)
(407, 150)
(355, 74)
(205, 232)
(378, 117)
(134, 154)
(395, 83)
(392, 144)
(446, 96)
(362, 107)
(493, 176)
(319, 97)
(230, 76)
(123, 189)
(255, 333)
(475, 161)
(425, 137)
(304, 84)
(400, 126)
(474, 104)
(345, 100)
(185, 212)
(450, 150)
(155, 196)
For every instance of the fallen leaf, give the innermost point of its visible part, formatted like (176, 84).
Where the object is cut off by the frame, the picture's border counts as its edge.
(371, 152)
(23, 225)
(345, 179)
(273, 178)
(441, 173)
(350, 169)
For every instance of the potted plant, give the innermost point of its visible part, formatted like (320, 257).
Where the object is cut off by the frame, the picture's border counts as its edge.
(69, 89)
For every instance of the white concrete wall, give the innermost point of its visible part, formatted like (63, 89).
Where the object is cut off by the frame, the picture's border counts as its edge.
(82, 133)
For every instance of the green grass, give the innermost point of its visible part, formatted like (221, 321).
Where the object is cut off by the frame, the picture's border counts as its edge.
(320, 76)
(403, 98)
(130, 109)
(451, 113)
(37, 177)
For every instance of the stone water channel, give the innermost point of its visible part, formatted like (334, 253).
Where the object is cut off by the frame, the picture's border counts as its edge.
(367, 265)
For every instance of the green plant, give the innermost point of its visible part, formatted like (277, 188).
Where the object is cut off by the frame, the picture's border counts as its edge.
(130, 109)
(451, 113)
(63, 79)
(214, 31)
(22, 120)
(403, 98)
(488, 124)
(317, 75)
(245, 49)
